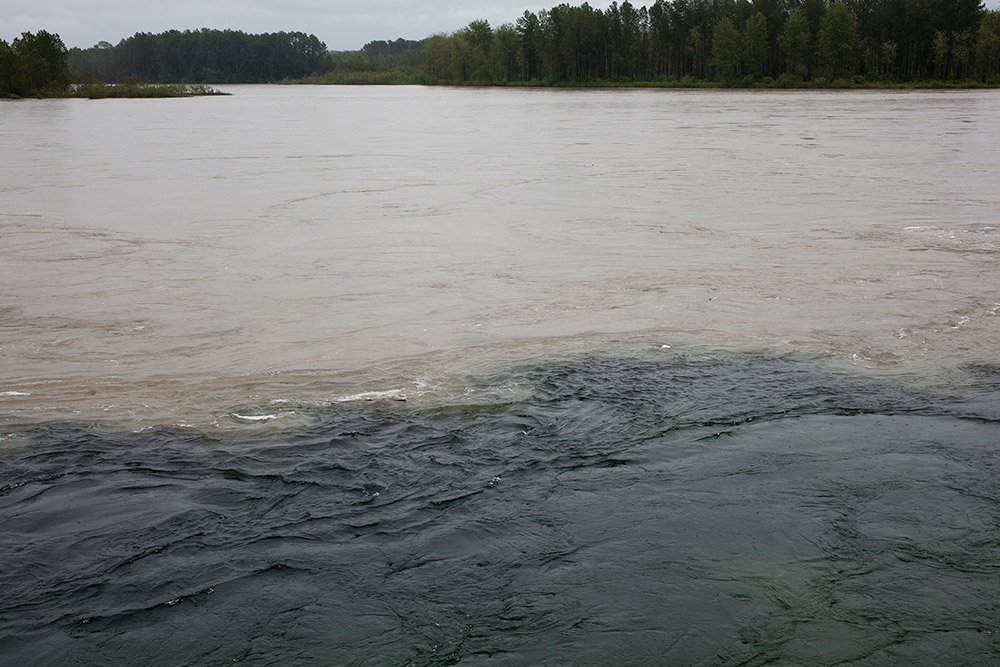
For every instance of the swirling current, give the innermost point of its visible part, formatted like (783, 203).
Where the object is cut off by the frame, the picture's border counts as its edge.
(613, 509)
(392, 376)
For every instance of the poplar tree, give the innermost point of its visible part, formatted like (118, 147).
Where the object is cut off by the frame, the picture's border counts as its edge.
(756, 48)
(725, 48)
(794, 43)
(837, 39)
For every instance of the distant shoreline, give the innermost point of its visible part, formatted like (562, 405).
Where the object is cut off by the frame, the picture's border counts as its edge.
(856, 83)
(101, 91)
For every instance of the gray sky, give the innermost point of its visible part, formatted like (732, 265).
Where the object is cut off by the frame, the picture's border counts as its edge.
(342, 24)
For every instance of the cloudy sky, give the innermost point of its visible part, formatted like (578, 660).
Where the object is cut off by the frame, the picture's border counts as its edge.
(342, 24)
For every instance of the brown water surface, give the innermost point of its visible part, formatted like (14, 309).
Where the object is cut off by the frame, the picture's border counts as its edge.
(165, 259)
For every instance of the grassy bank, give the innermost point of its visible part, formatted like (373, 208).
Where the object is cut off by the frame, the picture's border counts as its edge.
(414, 76)
(99, 91)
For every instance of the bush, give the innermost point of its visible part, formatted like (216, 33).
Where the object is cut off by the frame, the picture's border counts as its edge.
(789, 80)
(100, 91)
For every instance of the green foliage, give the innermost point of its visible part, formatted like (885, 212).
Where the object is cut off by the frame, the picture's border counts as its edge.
(794, 43)
(206, 56)
(471, 54)
(725, 48)
(529, 30)
(437, 58)
(890, 51)
(507, 54)
(740, 42)
(987, 50)
(398, 53)
(396, 76)
(33, 64)
(756, 47)
(838, 40)
(8, 67)
(132, 89)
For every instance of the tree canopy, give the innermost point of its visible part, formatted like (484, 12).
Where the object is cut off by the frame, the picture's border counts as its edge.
(203, 56)
(752, 40)
(32, 64)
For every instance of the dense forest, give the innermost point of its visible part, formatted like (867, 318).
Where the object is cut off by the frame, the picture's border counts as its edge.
(733, 42)
(33, 64)
(672, 42)
(203, 56)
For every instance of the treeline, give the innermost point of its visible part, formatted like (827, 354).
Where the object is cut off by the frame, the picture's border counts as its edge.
(399, 61)
(202, 56)
(730, 42)
(727, 40)
(33, 64)
(674, 42)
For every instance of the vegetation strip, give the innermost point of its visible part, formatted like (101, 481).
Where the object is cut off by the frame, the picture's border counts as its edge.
(672, 43)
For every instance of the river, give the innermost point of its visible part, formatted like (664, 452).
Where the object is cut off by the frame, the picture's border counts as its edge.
(404, 375)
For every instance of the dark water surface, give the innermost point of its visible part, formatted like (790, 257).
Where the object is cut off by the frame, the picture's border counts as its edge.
(735, 510)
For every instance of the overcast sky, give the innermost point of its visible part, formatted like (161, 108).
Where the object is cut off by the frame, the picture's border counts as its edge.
(342, 24)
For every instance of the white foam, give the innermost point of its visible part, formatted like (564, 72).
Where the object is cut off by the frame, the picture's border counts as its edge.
(15, 393)
(257, 418)
(392, 394)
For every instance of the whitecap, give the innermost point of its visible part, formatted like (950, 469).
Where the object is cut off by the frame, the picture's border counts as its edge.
(391, 394)
(257, 418)
(15, 393)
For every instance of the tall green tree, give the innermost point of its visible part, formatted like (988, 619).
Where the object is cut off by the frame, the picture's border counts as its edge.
(988, 46)
(506, 53)
(890, 52)
(814, 10)
(838, 39)
(726, 47)
(437, 58)
(529, 30)
(7, 69)
(40, 63)
(697, 52)
(756, 47)
(954, 20)
(794, 43)
(471, 53)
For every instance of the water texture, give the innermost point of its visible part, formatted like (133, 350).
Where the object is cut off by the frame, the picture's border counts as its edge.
(165, 256)
(427, 376)
(739, 511)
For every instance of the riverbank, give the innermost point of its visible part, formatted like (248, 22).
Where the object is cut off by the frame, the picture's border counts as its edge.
(404, 77)
(99, 91)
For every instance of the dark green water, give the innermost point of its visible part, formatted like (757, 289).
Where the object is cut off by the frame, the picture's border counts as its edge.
(616, 510)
